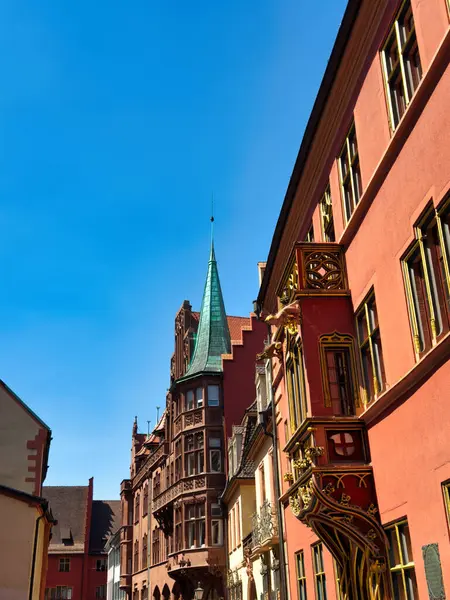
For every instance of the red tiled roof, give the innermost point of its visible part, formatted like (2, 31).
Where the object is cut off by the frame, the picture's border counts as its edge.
(68, 505)
(235, 325)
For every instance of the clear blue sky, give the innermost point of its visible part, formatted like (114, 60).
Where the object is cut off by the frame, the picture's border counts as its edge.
(117, 122)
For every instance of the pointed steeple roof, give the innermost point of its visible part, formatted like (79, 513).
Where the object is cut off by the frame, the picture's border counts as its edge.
(213, 336)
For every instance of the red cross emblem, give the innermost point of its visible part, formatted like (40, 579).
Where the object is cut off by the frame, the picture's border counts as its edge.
(343, 444)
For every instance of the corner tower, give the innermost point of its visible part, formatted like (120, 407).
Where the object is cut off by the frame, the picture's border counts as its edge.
(213, 334)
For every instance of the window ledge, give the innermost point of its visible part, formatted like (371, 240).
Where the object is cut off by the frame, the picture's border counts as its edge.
(400, 135)
(433, 359)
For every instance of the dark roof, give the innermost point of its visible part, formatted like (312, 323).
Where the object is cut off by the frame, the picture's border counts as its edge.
(104, 523)
(351, 12)
(68, 505)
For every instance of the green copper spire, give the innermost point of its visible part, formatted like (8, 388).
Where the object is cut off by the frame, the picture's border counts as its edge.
(213, 335)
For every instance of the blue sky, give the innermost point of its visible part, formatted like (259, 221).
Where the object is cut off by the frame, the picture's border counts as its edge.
(117, 123)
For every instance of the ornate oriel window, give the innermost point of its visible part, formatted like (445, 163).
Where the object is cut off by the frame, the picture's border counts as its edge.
(427, 277)
(319, 572)
(401, 562)
(401, 64)
(370, 349)
(295, 377)
(350, 174)
(326, 217)
(339, 373)
(301, 575)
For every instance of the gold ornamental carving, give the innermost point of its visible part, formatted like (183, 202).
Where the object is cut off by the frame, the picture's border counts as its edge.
(295, 503)
(306, 493)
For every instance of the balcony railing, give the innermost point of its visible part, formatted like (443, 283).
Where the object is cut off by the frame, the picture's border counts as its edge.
(265, 527)
(189, 484)
(314, 269)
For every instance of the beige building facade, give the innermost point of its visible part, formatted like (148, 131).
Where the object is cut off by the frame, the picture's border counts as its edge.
(25, 518)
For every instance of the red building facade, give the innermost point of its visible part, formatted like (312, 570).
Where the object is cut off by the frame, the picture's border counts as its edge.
(77, 560)
(173, 525)
(356, 291)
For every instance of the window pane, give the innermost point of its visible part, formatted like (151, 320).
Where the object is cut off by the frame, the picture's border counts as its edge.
(215, 457)
(213, 395)
(214, 442)
(199, 397)
(405, 543)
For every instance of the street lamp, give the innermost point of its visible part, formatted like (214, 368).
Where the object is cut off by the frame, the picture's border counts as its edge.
(198, 592)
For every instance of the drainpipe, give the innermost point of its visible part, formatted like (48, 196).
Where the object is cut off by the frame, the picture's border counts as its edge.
(257, 309)
(33, 560)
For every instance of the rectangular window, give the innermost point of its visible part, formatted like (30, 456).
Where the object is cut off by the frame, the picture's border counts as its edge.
(296, 385)
(340, 380)
(427, 279)
(190, 400)
(369, 342)
(326, 216)
(190, 464)
(401, 562)
(401, 64)
(144, 552)
(101, 564)
(238, 524)
(319, 572)
(217, 532)
(61, 592)
(350, 174)
(215, 459)
(213, 395)
(301, 576)
(100, 592)
(216, 510)
(64, 565)
(199, 397)
(195, 525)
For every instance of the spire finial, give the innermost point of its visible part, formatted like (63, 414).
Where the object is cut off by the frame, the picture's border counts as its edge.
(212, 228)
(212, 219)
